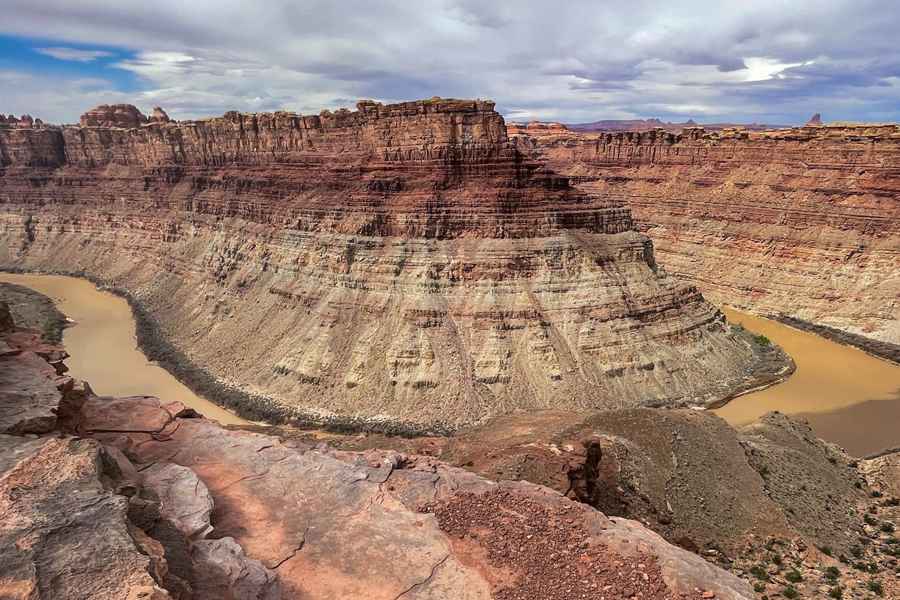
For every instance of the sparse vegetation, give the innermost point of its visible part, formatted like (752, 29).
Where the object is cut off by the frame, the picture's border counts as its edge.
(762, 340)
(826, 550)
(875, 586)
(794, 576)
(836, 592)
(870, 520)
(832, 573)
(790, 592)
(759, 571)
(887, 527)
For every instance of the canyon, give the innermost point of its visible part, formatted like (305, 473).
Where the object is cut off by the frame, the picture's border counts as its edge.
(802, 222)
(398, 267)
(152, 500)
(139, 498)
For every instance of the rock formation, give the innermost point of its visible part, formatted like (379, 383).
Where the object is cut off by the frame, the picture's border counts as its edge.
(814, 121)
(159, 115)
(399, 263)
(803, 222)
(149, 500)
(113, 115)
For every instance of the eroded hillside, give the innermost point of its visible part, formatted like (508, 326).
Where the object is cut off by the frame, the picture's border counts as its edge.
(399, 263)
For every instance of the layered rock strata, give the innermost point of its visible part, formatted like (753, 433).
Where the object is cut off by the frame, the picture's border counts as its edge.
(803, 222)
(143, 499)
(397, 263)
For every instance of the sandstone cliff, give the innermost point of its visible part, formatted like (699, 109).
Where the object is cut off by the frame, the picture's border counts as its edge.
(803, 222)
(395, 263)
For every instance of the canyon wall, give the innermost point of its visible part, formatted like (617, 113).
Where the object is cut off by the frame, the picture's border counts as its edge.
(803, 222)
(398, 263)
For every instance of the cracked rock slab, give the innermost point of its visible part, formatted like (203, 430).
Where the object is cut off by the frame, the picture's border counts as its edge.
(62, 534)
(336, 524)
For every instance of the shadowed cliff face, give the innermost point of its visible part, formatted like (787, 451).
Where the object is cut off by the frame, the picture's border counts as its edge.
(803, 221)
(395, 263)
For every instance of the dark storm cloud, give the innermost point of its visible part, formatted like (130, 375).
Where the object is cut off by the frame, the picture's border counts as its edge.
(577, 61)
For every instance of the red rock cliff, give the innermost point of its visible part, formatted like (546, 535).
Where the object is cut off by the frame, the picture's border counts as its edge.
(802, 221)
(401, 262)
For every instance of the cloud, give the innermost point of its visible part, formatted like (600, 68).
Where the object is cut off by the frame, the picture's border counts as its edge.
(63, 53)
(579, 60)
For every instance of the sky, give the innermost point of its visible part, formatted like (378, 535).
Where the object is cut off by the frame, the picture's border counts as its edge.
(765, 61)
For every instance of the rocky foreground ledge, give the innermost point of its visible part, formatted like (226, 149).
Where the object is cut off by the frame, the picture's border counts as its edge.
(143, 498)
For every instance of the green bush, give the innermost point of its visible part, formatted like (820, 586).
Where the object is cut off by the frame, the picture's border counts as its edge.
(887, 527)
(870, 520)
(790, 592)
(832, 573)
(836, 592)
(759, 572)
(794, 576)
(875, 586)
(762, 340)
(826, 550)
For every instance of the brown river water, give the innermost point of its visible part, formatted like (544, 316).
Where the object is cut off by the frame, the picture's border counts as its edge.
(103, 345)
(849, 397)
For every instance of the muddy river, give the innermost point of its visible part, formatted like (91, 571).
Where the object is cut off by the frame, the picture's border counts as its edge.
(848, 396)
(104, 348)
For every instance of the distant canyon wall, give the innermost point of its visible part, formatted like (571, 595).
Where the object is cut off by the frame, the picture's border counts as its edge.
(803, 221)
(394, 263)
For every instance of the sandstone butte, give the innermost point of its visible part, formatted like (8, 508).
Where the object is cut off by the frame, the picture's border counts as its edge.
(802, 222)
(138, 498)
(399, 263)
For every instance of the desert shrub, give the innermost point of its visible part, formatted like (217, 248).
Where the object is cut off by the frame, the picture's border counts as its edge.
(832, 573)
(875, 586)
(759, 572)
(794, 576)
(836, 592)
(826, 550)
(762, 340)
(887, 527)
(870, 520)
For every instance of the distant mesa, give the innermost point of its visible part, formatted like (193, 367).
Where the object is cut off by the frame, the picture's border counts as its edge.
(617, 125)
(531, 127)
(814, 121)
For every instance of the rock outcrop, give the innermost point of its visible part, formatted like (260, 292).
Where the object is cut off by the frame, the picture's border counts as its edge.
(140, 498)
(398, 263)
(803, 222)
(114, 115)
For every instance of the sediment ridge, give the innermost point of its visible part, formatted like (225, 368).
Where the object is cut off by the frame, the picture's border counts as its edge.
(395, 264)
